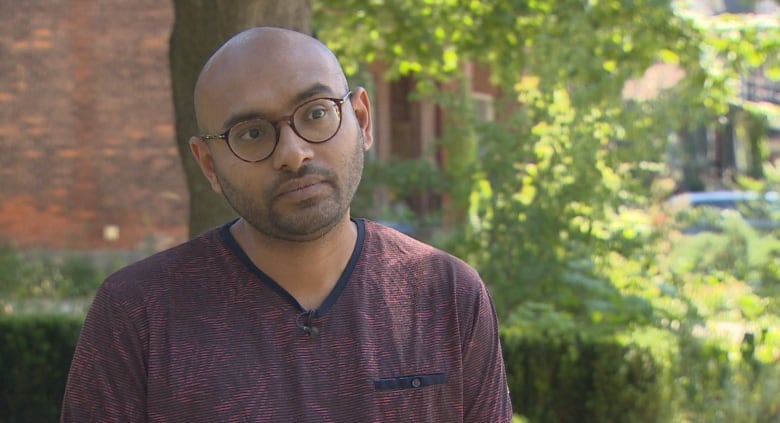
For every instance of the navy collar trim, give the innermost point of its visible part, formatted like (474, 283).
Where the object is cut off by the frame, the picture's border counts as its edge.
(232, 244)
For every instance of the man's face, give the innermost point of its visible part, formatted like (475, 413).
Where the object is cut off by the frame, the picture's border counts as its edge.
(302, 190)
(297, 205)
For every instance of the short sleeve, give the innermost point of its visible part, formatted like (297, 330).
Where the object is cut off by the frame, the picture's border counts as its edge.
(485, 391)
(107, 375)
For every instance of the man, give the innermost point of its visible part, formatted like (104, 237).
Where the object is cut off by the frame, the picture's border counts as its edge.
(294, 312)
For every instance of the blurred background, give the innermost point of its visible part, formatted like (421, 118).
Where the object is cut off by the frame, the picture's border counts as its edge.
(610, 168)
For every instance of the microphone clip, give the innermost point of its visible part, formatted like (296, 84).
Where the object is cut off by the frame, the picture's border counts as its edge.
(304, 322)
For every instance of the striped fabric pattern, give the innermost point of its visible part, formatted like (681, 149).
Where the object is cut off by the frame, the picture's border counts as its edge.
(197, 333)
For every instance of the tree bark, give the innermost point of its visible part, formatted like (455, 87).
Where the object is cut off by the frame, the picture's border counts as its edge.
(200, 27)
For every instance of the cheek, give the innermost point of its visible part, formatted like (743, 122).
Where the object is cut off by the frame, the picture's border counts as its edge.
(242, 177)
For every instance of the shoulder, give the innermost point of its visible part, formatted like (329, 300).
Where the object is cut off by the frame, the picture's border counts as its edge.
(388, 248)
(128, 298)
(160, 269)
(386, 240)
(403, 267)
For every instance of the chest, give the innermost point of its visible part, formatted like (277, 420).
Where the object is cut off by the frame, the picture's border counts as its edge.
(247, 360)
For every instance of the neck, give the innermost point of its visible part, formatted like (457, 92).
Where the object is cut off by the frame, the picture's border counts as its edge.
(307, 270)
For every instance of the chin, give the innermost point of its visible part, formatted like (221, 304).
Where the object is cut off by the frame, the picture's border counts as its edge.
(303, 227)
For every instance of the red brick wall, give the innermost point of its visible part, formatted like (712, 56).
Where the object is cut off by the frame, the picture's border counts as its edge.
(86, 125)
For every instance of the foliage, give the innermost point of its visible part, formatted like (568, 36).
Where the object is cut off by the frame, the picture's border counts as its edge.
(546, 174)
(557, 194)
(553, 172)
(26, 275)
(35, 354)
(734, 46)
(565, 377)
(715, 301)
(397, 180)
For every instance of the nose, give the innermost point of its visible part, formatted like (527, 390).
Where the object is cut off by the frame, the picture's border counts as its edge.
(292, 151)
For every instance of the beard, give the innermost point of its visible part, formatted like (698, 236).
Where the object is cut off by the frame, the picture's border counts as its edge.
(312, 218)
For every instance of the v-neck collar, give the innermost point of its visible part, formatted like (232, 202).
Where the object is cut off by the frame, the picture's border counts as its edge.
(232, 244)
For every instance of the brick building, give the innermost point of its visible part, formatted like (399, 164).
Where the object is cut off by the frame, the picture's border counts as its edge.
(89, 160)
(87, 152)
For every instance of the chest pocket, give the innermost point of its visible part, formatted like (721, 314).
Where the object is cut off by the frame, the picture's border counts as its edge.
(409, 382)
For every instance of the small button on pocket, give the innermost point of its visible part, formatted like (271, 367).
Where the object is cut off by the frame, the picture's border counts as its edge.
(409, 382)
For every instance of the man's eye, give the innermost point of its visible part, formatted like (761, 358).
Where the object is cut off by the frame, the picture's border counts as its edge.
(251, 134)
(317, 113)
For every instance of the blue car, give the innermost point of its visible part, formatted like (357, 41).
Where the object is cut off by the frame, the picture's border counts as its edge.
(761, 211)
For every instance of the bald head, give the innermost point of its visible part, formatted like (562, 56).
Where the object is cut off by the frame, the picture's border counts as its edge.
(264, 65)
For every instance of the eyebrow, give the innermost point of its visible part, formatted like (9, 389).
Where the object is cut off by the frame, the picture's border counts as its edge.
(313, 90)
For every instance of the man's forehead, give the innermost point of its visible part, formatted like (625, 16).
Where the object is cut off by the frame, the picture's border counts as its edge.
(261, 67)
(269, 50)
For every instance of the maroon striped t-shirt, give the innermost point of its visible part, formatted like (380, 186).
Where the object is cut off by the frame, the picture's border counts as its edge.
(197, 333)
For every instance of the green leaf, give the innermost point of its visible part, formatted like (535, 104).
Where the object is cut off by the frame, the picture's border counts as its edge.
(668, 56)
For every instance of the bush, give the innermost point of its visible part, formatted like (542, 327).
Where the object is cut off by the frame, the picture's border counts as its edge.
(565, 378)
(29, 275)
(35, 356)
(715, 387)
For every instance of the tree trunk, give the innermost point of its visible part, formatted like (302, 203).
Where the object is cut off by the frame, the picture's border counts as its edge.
(200, 27)
(726, 155)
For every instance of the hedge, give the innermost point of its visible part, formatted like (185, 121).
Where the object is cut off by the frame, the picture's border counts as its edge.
(564, 378)
(35, 355)
(552, 379)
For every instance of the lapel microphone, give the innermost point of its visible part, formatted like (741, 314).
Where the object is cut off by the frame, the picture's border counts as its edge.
(304, 322)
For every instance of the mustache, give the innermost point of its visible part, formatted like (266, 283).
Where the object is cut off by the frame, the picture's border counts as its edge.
(306, 170)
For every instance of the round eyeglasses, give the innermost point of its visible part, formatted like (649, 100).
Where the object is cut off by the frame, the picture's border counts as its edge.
(315, 121)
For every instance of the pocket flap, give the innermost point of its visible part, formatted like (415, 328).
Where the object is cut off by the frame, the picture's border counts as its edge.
(409, 382)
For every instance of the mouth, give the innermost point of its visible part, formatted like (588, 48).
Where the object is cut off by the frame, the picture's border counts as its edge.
(300, 188)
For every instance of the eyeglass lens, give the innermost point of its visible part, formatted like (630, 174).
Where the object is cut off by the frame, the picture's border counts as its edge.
(314, 121)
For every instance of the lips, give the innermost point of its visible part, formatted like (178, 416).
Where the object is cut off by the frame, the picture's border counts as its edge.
(298, 186)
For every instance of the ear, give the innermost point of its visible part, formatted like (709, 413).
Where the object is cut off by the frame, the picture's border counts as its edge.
(202, 153)
(362, 106)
